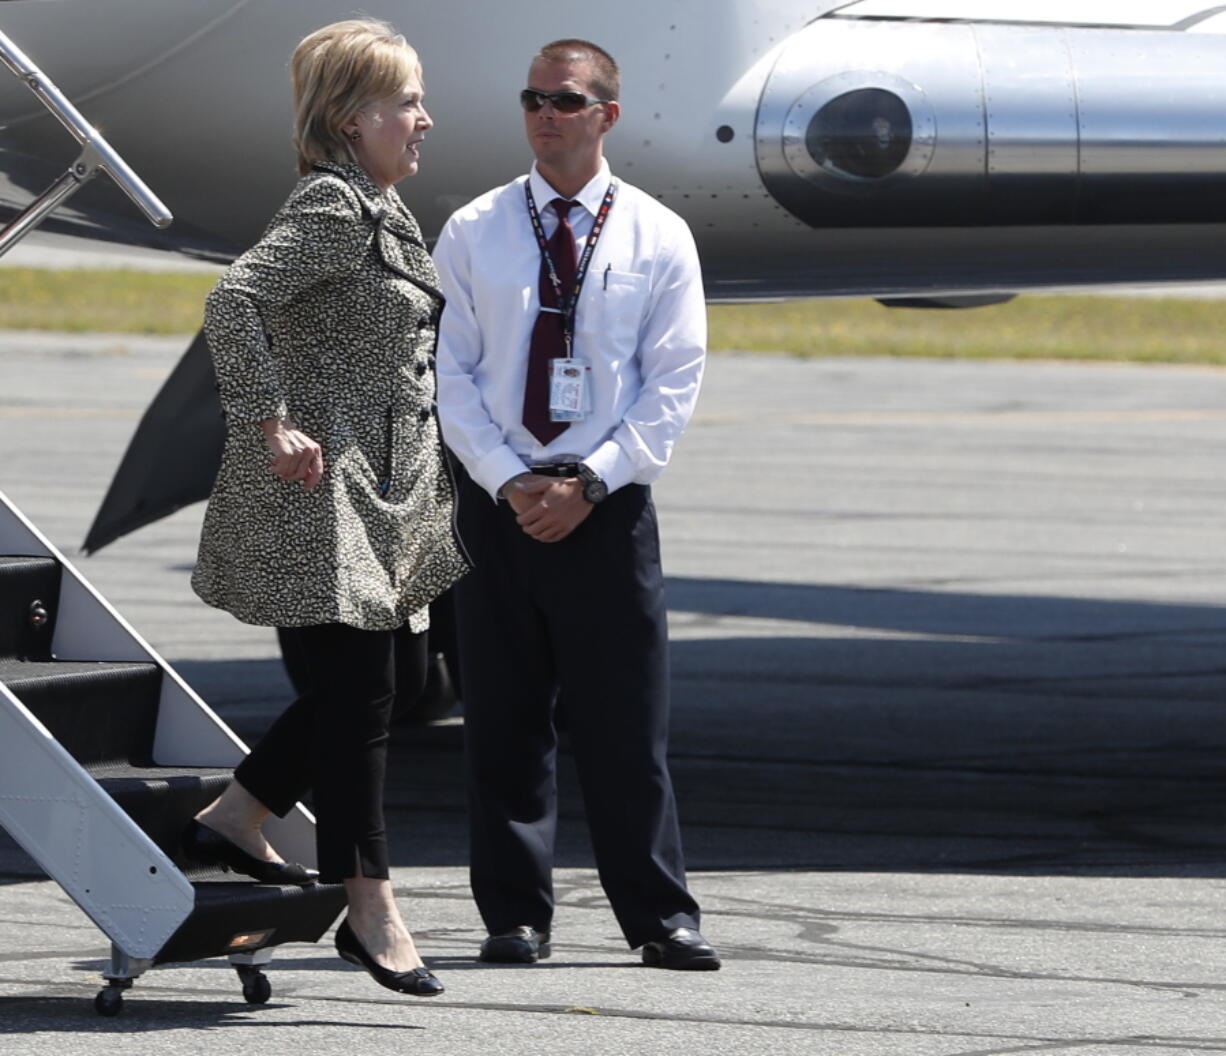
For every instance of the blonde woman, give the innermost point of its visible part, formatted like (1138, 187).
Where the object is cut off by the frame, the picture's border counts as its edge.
(331, 517)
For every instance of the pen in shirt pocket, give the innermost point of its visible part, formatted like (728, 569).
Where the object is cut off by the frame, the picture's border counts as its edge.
(607, 268)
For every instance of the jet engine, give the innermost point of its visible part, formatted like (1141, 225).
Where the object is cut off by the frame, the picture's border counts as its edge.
(912, 123)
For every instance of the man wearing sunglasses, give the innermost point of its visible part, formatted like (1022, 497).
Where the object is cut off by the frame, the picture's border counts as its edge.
(570, 356)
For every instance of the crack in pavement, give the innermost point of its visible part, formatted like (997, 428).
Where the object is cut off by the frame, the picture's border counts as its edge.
(1017, 1043)
(801, 913)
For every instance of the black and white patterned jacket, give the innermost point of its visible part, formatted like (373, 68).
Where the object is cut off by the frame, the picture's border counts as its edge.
(330, 319)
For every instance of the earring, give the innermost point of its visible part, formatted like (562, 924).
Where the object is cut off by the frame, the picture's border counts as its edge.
(355, 136)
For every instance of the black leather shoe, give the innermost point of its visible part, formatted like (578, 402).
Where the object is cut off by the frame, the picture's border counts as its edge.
(201, 844)
(421, 982)
(683, 950)
(522, 945)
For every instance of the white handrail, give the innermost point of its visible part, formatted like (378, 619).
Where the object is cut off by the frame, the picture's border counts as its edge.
(96, 154)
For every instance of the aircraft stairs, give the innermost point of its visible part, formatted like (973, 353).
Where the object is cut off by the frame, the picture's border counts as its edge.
(105, 755)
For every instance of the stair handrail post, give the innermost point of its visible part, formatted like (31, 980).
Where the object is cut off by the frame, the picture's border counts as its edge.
(77, 175)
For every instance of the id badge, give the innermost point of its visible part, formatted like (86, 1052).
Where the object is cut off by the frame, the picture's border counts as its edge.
(569, 398)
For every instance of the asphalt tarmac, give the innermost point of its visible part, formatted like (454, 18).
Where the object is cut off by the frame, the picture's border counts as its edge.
(948, 734)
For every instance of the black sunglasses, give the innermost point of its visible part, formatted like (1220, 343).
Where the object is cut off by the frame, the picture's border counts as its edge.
(563, 102)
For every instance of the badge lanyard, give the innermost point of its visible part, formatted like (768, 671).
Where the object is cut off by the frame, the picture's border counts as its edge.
(568, 308)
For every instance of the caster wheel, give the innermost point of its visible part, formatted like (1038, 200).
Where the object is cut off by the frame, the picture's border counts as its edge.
(109, 1002)
(256, 988)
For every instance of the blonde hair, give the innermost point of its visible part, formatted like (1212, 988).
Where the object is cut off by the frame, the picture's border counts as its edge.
(338, 70)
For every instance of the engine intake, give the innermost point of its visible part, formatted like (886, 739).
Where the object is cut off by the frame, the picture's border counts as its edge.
(913, 124)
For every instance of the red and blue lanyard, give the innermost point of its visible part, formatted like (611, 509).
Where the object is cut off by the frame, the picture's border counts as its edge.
(568, 306)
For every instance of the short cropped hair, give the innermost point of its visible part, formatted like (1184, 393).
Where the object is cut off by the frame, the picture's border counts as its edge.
(338, 70)
(606, 79)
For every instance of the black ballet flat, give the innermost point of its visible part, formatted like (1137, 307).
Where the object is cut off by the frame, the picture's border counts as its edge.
(421, 982)
(201, 844)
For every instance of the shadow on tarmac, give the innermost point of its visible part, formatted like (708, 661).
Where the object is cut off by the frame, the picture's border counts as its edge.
(924, 731)
(73, 1016)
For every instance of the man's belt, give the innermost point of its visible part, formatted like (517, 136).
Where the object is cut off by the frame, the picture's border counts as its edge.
(555, 469)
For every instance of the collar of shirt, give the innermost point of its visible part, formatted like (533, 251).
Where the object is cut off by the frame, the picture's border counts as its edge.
(590, 197)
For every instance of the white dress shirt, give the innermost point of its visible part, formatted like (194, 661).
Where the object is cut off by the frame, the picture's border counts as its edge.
(641, 324)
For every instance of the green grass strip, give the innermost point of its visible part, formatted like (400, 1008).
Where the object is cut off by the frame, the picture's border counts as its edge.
(122, 302)
(1139, 330)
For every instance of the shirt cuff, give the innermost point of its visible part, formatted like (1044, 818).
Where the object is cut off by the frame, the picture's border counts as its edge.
(496, 468)
(611, 464)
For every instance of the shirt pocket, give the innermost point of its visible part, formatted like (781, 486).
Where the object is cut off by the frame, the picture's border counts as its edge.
(619, 301)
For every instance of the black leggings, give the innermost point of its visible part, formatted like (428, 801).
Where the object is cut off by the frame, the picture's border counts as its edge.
(333, 740)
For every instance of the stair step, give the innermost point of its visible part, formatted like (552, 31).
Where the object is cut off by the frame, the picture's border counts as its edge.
(228, 912)
(162, 800)
(100, 712)
(29, 597)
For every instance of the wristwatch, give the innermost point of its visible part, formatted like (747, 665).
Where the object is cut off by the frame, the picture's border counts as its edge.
(595, 490)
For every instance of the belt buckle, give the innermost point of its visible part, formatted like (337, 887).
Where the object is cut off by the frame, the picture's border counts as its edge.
(558, 466)
(550, 469)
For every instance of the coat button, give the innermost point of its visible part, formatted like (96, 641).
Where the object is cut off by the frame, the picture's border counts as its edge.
(424, 414)
(421, 369)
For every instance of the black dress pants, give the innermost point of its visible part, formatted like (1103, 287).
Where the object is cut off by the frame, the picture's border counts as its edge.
(333, 740)
(579, 625)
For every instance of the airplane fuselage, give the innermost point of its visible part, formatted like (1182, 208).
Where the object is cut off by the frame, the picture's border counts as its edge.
(870, 147)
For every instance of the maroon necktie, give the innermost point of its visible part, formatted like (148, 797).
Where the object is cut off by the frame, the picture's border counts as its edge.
(548, 335)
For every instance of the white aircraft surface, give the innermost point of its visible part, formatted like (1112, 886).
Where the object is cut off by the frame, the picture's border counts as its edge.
(891, 148)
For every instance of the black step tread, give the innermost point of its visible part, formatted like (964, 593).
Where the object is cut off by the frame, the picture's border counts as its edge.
(27, 582)
(15, 672)
(162, 800)
(118, 771)
(227, 909)
(98, 710)
(27, 562)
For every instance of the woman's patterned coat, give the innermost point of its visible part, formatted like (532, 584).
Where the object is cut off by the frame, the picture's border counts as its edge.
(330, 320)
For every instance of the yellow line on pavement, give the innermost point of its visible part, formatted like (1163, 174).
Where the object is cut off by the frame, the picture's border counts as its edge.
(26, 411)
(965, 417)
(816, 418)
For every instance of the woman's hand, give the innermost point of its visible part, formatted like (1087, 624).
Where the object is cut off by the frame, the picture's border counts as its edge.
(295, 456)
